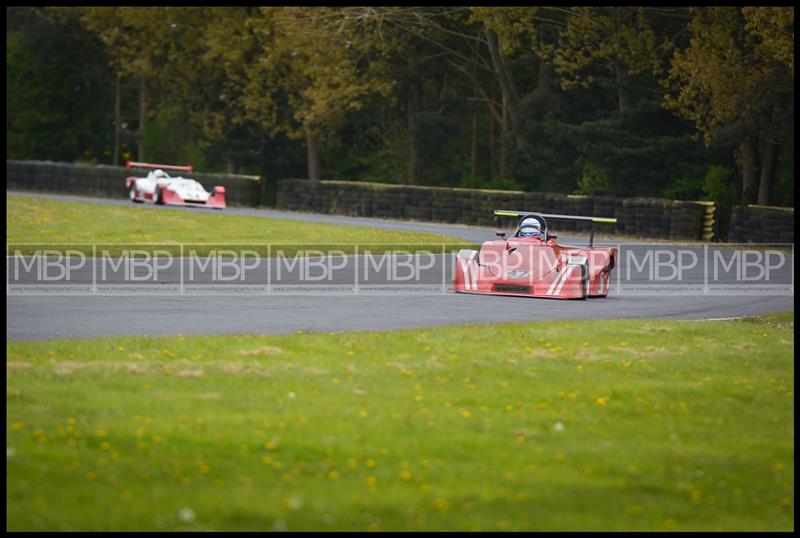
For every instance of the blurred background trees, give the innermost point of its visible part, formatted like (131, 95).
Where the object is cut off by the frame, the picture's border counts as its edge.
(691, 103)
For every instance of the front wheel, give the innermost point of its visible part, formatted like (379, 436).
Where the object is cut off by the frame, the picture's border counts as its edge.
(132, 194)
(158, 196)
(584, 282)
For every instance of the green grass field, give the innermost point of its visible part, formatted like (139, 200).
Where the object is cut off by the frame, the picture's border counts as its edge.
(554, 425)
(79, 224)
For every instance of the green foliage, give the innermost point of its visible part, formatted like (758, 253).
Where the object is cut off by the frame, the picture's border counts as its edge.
(167, 139)
(594, 181)
(719, 186)
(784, 187)
(684, 188)
(557, 99)
(58, 100)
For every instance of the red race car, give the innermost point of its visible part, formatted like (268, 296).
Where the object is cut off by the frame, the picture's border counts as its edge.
(159, 187)
(531, 264)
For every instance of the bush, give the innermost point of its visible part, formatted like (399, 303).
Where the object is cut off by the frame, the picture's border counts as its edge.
(594, 181)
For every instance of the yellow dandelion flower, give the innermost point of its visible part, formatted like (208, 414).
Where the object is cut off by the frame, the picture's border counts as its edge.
(371, 482)
(603, 400)
(405, 474)
(466, 414)
(333, 475)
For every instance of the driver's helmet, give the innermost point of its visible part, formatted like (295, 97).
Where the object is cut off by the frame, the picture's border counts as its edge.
(530, 227)
(159, 173)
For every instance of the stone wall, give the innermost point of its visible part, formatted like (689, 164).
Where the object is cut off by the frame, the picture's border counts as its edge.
(761, 224)
(644, 217)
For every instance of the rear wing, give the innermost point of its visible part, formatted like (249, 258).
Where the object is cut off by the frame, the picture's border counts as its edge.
(543, 216)
(506, 213)
(131, 164)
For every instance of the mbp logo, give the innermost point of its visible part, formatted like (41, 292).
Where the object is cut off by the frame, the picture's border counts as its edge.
(397, 266)
(47, 265)
(660, 265)
(747, 265)
(221, 265)
(134, 265)
(309, 265)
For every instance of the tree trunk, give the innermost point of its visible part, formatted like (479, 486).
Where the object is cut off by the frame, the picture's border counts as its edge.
(544, 76)
(473, 157)
(492, 152)
(314, 163)
(504, 142)
(623, 99)
(414, 165)
(233, 165)
(507, 86)
(769, 162)
(413, 150)
(117, 120)
(747, 160)
(142, 118)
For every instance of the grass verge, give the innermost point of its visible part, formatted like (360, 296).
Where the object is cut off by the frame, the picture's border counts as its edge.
(78, 225)
(559, 426)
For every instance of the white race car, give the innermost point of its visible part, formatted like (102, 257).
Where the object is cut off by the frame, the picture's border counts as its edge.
(158, 187)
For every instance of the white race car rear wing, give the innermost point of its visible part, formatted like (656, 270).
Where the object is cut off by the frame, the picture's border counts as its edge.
(131, 164)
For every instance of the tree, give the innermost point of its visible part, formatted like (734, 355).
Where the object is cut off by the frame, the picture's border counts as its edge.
(318, 61)
(142, 44)
(736, 80)
(606, 41)
(56, 92)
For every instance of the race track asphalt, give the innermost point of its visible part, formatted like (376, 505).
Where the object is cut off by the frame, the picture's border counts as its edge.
(83, 315)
